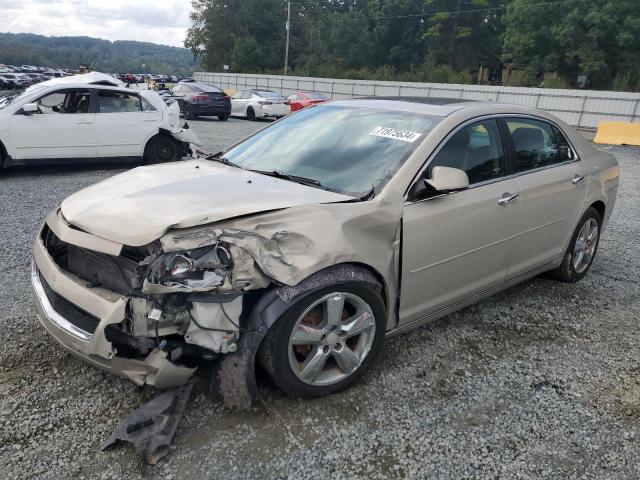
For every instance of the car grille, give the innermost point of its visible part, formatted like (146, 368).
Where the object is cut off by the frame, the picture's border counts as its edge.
(108, 271)
(78, 317)
(99, 269)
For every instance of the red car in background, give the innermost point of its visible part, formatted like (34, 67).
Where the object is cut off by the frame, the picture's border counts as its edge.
(300, 100)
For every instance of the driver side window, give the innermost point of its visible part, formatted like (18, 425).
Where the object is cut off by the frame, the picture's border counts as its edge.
(477, 150)
(65, 101)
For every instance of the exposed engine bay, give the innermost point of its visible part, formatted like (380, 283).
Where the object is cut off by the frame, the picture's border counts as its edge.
(170, 306)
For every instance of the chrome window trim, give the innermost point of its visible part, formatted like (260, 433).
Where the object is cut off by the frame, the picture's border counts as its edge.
(494, 180)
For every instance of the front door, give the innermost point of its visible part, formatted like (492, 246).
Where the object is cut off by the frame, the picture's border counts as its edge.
(64, 127)
(459, 244)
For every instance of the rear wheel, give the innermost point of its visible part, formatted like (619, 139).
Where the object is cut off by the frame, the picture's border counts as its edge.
(187, 111)
(326, 341)
(251, 114)
(161, 149)
(582, 248)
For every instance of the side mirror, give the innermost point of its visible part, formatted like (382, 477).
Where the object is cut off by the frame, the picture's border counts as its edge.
(30, 108)
(447, 179)
(443, 180)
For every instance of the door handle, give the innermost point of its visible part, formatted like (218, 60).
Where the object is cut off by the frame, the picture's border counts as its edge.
(507, 198)
(84, 123)
(577, 179)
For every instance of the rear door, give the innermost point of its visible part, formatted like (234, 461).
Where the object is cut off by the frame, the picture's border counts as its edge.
(239, 103)
(64, 127)
(553, 183)
(124, 122)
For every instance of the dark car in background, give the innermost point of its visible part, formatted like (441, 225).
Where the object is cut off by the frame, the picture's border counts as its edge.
(202, 99)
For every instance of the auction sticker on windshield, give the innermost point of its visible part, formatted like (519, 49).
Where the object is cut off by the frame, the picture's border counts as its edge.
(395, 133)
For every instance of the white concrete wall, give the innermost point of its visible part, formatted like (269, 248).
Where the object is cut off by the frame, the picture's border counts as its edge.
(580, 108)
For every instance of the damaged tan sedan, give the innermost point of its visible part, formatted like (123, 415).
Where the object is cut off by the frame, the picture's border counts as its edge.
(305, 245)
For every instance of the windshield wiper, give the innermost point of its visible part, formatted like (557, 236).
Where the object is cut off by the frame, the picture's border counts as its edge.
(217, 157)
(291, 178)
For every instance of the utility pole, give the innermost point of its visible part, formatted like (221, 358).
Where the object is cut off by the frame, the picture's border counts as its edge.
(286, 49)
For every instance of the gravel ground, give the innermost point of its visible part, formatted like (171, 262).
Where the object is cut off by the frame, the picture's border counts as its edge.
(541, 381)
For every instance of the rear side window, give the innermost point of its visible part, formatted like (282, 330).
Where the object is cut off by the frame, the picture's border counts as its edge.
(267, 94)
(209, 89)
(476, 149)
(118, 102)
(564, 147)
(534, 142)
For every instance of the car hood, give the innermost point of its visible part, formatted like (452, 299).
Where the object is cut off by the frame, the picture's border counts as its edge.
(139, 206)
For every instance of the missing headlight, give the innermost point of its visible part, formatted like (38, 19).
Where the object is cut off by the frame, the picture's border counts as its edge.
(205, 267)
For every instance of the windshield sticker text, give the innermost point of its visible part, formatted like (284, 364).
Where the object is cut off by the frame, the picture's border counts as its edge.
(395, 133)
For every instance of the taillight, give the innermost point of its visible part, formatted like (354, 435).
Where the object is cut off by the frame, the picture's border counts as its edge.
(200, 97)
(265, 103)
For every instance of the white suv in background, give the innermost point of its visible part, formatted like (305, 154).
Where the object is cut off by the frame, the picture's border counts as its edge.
(89, 118)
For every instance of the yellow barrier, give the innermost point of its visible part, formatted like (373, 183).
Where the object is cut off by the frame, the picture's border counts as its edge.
(618, 133)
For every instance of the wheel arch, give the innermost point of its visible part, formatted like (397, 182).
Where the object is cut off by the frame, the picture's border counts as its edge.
(600, 207)
(286, 296)
(3, 153)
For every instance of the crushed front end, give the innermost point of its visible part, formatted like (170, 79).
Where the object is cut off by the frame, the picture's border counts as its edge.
(138, 312)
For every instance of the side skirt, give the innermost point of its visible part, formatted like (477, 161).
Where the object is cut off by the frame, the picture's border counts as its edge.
(443, 312)
(11, 162)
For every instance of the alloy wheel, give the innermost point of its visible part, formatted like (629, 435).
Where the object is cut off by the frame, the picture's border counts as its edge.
(585, 245)
(331, 339)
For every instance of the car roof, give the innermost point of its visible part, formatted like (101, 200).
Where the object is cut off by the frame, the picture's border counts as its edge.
(437, 106)
(91, 78)
(46, 85)
(202, 85)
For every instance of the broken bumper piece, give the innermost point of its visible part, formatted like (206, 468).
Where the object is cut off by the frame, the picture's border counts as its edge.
(151, 427)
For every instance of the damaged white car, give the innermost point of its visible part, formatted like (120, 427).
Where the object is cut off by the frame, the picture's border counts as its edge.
(89, 118)
(306, 244)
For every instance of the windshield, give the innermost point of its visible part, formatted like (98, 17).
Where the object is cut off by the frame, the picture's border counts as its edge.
(207, 88)
(346, 149)
(10, 97)
(267, 94)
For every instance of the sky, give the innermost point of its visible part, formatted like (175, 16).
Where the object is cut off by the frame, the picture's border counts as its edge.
(157, 21)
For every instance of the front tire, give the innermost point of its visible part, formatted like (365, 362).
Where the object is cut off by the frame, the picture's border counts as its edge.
(223, 118)
(161, 149)
(325, 341)
(582, 248)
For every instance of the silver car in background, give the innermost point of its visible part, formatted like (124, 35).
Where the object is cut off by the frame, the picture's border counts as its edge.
(305, 245)
(253, 104)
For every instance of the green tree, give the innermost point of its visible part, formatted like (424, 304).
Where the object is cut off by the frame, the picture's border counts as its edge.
(599, 38)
